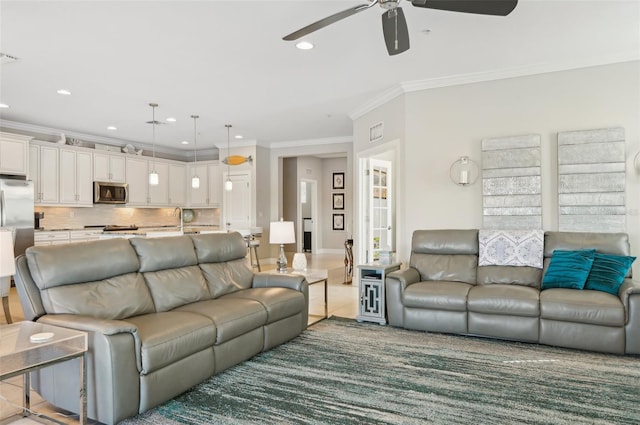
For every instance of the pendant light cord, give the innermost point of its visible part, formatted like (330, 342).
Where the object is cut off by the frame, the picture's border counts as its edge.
(153, 138)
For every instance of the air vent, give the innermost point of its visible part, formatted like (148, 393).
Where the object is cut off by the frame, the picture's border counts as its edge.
(6, 58)
(376, 132)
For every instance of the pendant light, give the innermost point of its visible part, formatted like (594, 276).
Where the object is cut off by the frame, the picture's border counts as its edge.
(195, 180)
(153, 175)
(228, 185)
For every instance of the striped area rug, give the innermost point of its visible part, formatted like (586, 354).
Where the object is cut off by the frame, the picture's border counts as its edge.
(343, 372)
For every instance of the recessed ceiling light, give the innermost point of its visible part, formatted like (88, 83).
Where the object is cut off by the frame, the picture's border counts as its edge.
(304, 45)
(184, 142)
(112, 127)
(171, 119)
(64, 92)
(238, 136)
(3, 105)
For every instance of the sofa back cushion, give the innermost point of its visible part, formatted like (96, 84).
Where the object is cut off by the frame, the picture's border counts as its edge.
(222, 259)
(164, 253)
(173, 288)
(449, 255)
(603, 243)
(98, 279)
(510, 275)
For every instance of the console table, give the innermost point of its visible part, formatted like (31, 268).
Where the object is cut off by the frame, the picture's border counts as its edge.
(20, 355)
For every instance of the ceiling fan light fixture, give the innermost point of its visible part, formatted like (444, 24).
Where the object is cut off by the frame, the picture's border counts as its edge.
(305, 45)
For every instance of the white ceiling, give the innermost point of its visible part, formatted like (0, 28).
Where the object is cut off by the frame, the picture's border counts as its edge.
(226, 61)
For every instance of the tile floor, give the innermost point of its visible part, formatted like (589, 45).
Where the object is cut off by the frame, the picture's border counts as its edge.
(343, 302)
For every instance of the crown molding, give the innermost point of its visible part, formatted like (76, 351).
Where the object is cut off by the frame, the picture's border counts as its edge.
(501, 74)
(237, 143)
(312, 142)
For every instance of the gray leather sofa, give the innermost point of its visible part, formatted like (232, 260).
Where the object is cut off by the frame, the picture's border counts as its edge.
(444, 290)
(162, 315)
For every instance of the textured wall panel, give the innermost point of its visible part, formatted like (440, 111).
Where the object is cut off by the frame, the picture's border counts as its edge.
(511, 183)
(591, 180)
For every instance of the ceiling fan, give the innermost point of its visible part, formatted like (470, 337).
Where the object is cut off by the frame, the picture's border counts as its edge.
(394, 24)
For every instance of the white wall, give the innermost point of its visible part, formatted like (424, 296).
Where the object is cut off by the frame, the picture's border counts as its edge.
(442, 124)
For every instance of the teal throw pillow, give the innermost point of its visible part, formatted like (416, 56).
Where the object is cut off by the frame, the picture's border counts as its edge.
(568, 269)
(608, 272)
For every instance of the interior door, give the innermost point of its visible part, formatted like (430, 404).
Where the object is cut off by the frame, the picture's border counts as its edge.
(380, 209)
(237, 202)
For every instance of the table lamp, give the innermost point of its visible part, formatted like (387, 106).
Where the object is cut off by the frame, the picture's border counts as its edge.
(281, 232)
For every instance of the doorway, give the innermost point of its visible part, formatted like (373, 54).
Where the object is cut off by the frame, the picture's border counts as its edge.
(237, 202)
(376, 203)
(307, 214)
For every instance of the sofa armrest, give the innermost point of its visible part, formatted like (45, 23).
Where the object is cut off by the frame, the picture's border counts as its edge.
(404, 277)
(395, 283)
(280, 280)
(628, 288)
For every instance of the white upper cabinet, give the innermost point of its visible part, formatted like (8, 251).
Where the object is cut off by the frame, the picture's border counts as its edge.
(209, 194)
(159, 194)
(76, 170)
(43, 171)
(178, 185)
(138, 180)
(14, 151)
(108, 168)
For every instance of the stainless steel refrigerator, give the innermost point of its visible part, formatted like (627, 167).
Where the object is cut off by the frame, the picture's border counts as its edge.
(16, 211)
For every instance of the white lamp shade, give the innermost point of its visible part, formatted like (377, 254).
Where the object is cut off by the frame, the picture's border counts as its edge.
(228, 185)
(281, 232)
(195, 182)
(7, 260)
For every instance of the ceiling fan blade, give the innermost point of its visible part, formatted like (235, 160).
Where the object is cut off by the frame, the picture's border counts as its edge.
(482, 7)
(327, 21)
(396, 34)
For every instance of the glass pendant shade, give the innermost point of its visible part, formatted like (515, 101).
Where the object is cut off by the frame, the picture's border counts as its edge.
(195, 182)
(154, 179)
(228, 185)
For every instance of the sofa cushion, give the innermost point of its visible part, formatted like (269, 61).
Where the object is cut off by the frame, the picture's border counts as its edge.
(164, 253)
(232, 318)
(58, 265)
(453, 242)
(455, 268)
(608, 272)
(607, 243)
(512, 300)
(227, 277)
(509, 275)
(114, 298)
(568, 269)
(172, 288)
(591, 307)
(280, 303)
(219, 247)
(168, 337)
(510, 248)
(437, 295)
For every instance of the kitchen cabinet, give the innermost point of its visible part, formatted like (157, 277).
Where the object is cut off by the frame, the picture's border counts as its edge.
(138, 180)
(159, 194)
(43, 171)
(76, 171)
(84, 235)
(209, 194)
(54, 237)
(177, 185)
(14, 152)
(109, 168)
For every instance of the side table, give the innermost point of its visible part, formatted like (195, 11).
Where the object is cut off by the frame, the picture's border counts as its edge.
(19, 355)
(372, 293)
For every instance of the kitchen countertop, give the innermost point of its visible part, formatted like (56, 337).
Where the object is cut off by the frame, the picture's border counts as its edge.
(142, 230)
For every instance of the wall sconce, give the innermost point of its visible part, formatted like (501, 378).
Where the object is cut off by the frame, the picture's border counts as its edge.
(464, 171)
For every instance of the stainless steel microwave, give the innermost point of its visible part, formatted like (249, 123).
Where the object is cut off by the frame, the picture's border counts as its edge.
(110, 193)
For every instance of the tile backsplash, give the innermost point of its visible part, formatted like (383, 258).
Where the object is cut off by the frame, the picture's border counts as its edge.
(77, 218)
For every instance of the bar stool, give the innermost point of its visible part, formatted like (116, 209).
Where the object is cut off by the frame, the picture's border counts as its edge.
(253, 244)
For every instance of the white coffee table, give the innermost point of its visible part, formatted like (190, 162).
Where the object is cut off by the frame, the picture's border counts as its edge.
(19, 355)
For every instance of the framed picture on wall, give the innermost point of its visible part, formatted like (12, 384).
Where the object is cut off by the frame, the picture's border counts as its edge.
(338, 180)
(338, 222)
(338, 201)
